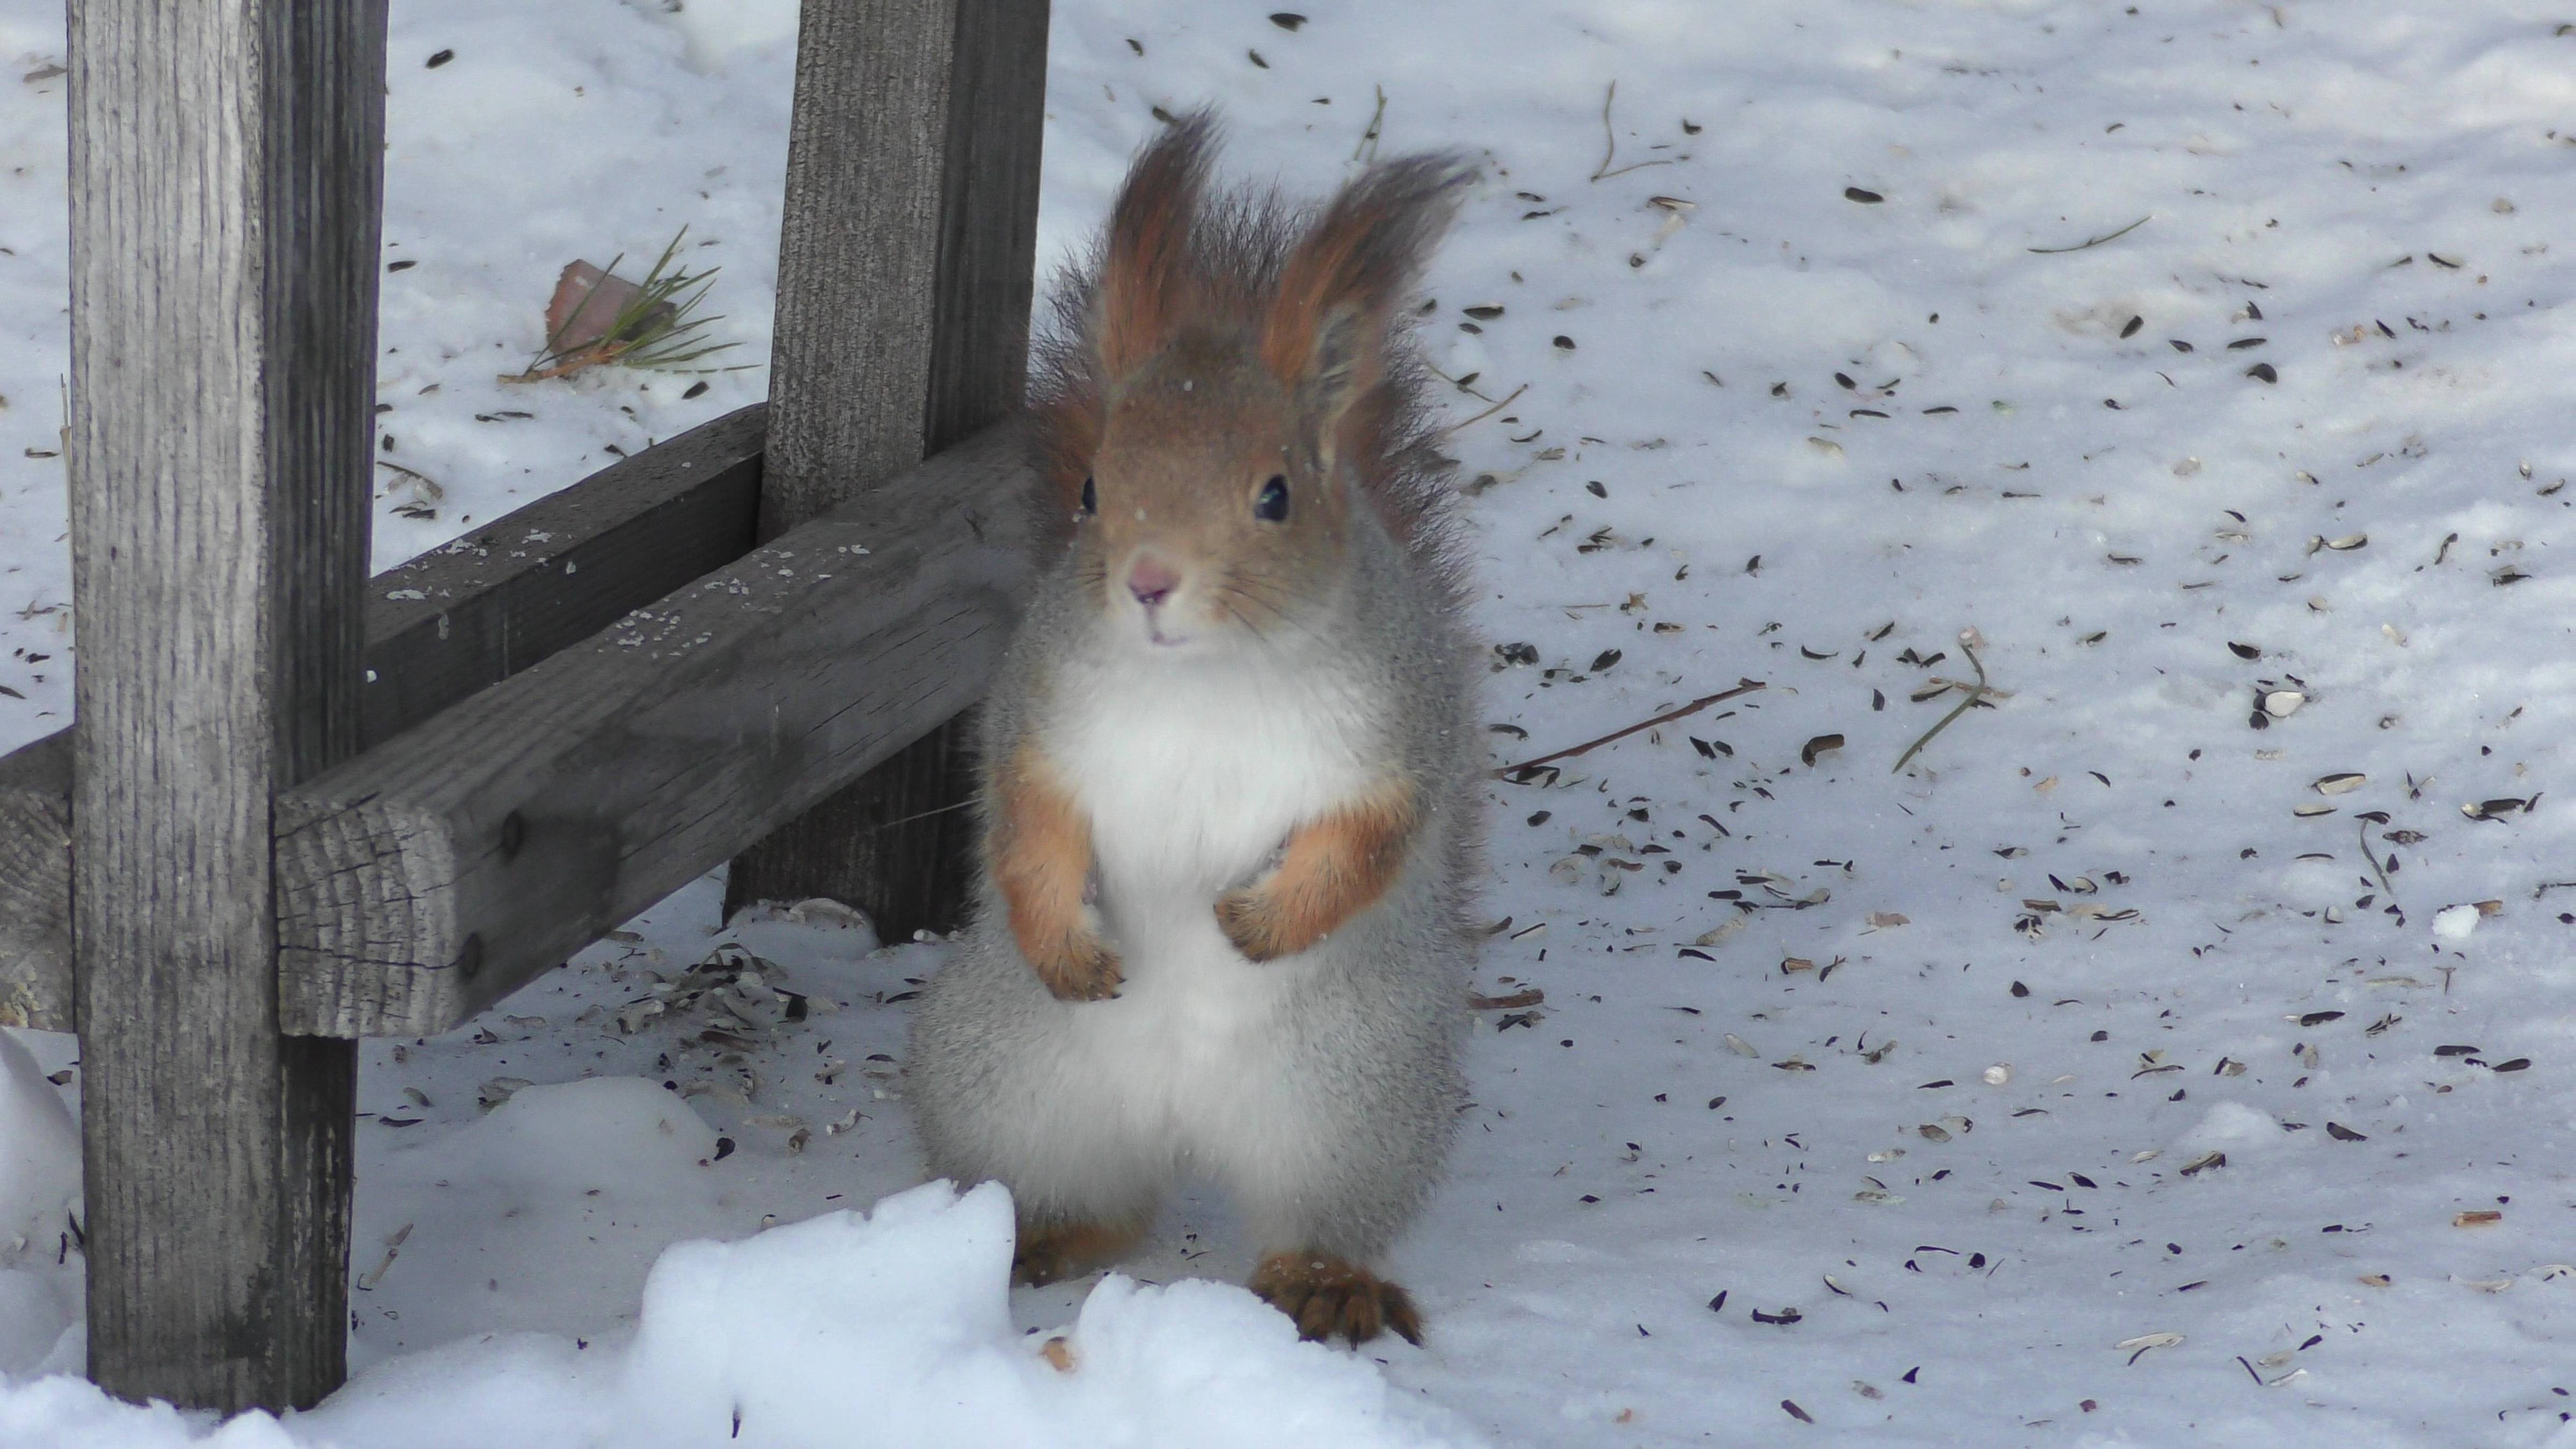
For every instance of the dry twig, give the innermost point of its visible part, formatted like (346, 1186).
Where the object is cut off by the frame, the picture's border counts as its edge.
(1487, 413)
(1366, 150)
(1610, 145)
(2094, 241)
(1978, 694)
(1667, 717)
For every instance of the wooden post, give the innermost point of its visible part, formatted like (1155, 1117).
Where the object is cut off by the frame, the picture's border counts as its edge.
(226, 157)
(906, 268)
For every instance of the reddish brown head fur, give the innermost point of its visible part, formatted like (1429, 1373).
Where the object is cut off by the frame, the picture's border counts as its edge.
(1211, 328)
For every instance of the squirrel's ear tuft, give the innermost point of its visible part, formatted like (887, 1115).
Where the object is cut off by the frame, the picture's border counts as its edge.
(1148, 273)
(1325, 334)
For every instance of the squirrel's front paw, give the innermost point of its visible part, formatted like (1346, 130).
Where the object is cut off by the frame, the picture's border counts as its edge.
(1259, 927)
(1077, 966)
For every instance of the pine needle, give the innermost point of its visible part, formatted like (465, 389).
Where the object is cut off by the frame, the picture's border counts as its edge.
(660, 327)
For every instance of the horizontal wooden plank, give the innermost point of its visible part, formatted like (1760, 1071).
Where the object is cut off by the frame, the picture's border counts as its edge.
(456, 619)
(447, 867)
(36, 885)
(489, 604)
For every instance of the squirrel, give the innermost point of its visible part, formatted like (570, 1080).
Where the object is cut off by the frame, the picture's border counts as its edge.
(1229, 768)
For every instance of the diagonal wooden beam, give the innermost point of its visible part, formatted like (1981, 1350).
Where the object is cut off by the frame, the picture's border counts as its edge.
(459, 617)
(449, 866)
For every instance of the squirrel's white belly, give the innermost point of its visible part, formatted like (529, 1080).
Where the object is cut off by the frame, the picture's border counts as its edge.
(1192, 779)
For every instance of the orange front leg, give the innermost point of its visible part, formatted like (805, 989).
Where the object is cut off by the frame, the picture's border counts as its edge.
(1334, 867)
(1039, 850)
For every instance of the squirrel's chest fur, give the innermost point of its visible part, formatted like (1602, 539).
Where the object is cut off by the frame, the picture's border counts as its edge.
(1192, 775)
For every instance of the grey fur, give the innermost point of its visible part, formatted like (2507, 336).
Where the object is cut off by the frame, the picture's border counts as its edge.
(1378, 1009)
(1330, 1110)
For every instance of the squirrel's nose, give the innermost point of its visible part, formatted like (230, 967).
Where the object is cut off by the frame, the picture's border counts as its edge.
(1151, 582)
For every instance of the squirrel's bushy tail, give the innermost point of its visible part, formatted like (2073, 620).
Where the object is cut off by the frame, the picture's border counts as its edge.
(1316, 297)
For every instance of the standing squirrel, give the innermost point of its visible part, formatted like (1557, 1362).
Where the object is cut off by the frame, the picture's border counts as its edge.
(1229, 767)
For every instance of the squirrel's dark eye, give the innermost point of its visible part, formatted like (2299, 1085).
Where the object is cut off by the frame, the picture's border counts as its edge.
(1090, 497)
(1272, 505)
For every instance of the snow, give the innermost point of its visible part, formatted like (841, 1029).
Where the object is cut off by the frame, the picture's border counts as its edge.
(889, 1328)
(2179, 936)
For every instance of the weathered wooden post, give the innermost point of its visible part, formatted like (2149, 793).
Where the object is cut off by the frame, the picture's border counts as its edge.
(906, 268)
(226, 157)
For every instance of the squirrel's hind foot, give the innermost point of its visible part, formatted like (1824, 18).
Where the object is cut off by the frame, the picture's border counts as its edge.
(1329, 1297)
(1052, 1252)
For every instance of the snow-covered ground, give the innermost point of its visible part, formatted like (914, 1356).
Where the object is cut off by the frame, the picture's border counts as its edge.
(2160, 1078)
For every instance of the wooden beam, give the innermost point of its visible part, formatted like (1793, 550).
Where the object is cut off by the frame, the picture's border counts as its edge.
(480, 609)
(226, 162)
(36, 885)
(459, 617)
(444, 869)
(907, 266)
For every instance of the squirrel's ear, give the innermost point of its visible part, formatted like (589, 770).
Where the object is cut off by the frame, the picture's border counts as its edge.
(1148, 271)
(1325, 334)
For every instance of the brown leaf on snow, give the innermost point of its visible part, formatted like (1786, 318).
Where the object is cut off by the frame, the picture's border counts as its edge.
(585, 306)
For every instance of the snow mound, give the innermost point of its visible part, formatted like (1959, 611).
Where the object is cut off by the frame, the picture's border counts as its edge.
(891, 1328)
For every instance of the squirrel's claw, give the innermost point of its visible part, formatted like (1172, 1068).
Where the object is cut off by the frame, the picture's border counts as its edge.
(1252, 920)
(1329, 1297)
(1080, 967)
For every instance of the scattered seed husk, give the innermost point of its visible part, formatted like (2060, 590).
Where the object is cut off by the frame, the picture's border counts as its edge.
(2496, 809)
(2341, 782)
(2138, 1347)
(2476, 1218)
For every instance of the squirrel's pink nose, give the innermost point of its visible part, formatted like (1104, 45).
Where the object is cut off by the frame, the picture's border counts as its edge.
(1151, 582)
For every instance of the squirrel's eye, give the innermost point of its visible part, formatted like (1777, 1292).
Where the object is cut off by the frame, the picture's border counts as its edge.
(1272, 504)
(1090, 497)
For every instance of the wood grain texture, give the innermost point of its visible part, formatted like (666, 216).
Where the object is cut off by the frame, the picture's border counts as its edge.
(460, 617)
(36, 885)
(225, 191)
(907, 265)
(441, 871)
(483, 607)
